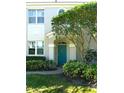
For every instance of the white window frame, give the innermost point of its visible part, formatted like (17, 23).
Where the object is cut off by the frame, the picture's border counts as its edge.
(36, 42)
(29, 48)
(36, 17)
(42, 47)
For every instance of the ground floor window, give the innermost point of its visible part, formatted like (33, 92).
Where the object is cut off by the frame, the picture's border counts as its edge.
(36, 47)
(40, 48)
(31, 47)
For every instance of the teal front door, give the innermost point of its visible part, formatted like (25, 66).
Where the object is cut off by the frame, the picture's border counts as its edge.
(62, 55)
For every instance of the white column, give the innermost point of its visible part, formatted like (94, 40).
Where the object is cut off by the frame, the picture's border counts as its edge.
(72, 51)
(51, 51)
(27, 48)
(35, 47)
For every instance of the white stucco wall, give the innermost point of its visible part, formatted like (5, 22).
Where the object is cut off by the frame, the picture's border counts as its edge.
(49, 13)
(36, 32)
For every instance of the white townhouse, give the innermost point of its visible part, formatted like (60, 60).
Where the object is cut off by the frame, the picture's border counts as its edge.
(40, 39)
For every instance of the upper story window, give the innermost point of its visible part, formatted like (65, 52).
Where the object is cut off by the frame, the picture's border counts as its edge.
(32, 16)
(35, 16)
(61, 11)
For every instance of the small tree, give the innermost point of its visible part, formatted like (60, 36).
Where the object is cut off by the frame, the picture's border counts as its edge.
(78, 25)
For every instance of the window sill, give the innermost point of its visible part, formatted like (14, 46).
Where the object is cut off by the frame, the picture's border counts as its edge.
(35, 23)
(35, 55)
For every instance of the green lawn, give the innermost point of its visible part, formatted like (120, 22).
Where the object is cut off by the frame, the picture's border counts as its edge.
(53, 84)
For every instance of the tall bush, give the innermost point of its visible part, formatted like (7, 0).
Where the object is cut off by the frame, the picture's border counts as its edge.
(78, 25)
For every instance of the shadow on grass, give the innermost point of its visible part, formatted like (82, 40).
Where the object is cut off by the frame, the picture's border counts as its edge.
(53, 84)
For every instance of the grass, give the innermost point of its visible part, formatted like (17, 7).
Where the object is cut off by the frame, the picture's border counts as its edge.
(53, 84)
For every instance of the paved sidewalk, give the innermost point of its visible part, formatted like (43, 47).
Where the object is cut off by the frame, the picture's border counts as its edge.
(58, 71)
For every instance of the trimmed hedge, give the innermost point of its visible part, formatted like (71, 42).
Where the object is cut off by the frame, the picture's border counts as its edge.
(35, 58)
(75, 69)
(40, 65)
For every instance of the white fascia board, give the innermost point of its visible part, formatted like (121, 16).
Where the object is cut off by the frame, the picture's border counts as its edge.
(28, 4)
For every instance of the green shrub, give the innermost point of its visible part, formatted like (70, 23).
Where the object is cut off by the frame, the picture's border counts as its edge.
(39, 65)
(51, 64)
(75, 69)
(35, 65)
(29, 58)
(90, 73)
(91, 56)
(73, 61)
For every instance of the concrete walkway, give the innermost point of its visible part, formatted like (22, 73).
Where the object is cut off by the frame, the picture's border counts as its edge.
(58, 71)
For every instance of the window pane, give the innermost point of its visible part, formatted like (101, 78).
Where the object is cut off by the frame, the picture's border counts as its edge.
(32, 13)
(40, 44)
(32, 19)
(31, 44)
(40, 51)
(40, 13)
(40, 19)
(32, 51)
(61, 11)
